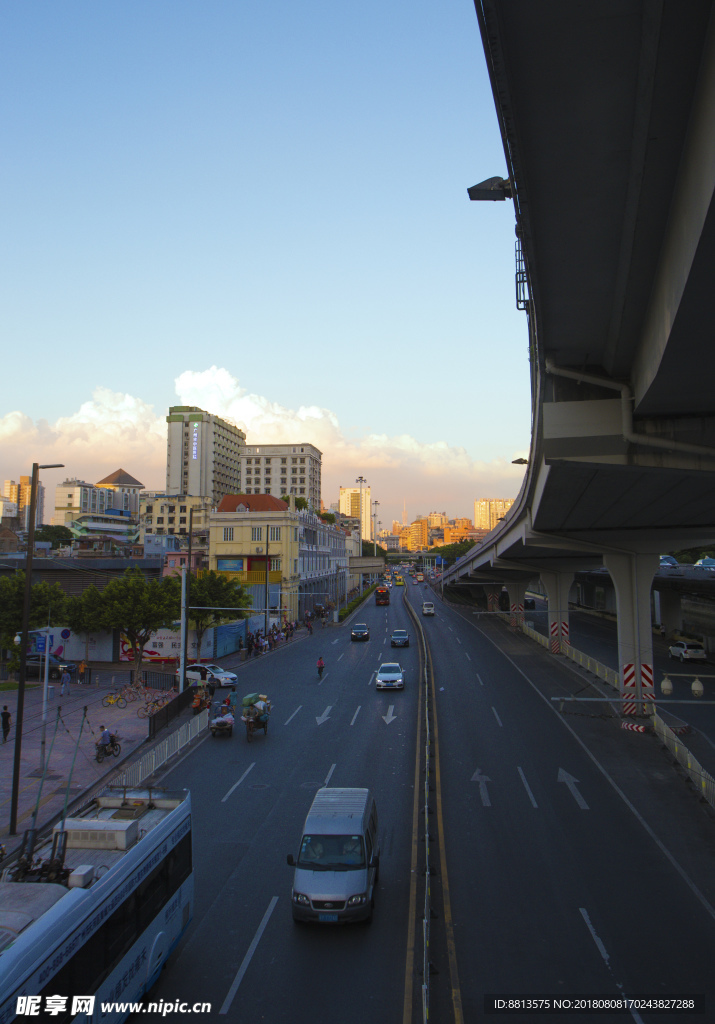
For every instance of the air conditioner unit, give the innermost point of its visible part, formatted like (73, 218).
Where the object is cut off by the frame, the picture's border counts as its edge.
(259, 551)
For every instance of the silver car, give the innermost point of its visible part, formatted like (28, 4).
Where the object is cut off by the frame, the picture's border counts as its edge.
(390, 677)
(687, 650)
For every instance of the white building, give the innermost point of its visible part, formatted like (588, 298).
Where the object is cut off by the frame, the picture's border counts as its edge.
(349, 505)
(203, 454)
(278, 469)
(76, 497)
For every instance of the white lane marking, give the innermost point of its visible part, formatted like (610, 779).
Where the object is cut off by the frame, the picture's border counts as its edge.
(293, 715)
(479, 680)
(325, 715)
(466, 655)
(482, 780)
(321, 681)
(247, 958)
(606, 958)
(458, 640)
(356, 714)
(341, 655)
(527, 787)
(237, 784)
(389, 717)
(571, 783)
(371, 679)
(334, 642)
(327, 777)
(497, 717)
(704, 903)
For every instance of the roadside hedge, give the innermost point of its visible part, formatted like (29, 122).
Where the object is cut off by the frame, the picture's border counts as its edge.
(355, 603)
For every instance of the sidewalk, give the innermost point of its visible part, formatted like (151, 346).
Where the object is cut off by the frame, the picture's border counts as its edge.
(132, 731)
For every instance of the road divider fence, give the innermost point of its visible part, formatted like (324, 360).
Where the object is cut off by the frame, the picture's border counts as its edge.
(153, 759)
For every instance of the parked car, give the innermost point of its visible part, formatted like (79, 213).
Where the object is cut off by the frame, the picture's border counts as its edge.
(687, 650)
(706, 563)
(390, 677)
(35, 666)
(668, 562)
(400, 638)
(360, 631)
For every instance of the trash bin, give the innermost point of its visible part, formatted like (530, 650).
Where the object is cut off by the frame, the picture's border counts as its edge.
(50, 693)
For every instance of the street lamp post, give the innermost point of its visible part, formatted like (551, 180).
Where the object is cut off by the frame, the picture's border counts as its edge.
(186, 596)
(374, 530)
(361, 480)
(24, 637)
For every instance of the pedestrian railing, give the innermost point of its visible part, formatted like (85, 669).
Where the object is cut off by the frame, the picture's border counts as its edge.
(135, 774)
(702, 780)
(608, 675)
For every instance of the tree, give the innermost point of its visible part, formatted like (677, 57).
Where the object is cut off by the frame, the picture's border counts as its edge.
(58, 535)
(301, 504)
(210, 595)
(327, 517)
(84, 613)
(47, 602)
(138, 607)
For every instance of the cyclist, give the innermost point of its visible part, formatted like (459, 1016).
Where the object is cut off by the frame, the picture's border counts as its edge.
(321, 666)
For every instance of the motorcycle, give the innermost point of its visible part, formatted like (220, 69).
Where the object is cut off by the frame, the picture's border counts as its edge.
(105, 749)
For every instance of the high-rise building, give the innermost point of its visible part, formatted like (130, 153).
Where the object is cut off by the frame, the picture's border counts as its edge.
(203, 454)
(279, 469)
(396, 526)
(21, 495)
(76, 497)
(488, 511)
(124, 489)
(437, 519)
(350, 506)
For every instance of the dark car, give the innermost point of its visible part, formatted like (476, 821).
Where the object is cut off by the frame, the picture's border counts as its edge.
(35, 667)
(360, 631)
(400, 638)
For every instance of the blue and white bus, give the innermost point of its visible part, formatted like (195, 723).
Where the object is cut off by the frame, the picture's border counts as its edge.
(99, 917)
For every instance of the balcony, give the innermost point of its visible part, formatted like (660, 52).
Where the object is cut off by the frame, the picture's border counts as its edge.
(253, 577)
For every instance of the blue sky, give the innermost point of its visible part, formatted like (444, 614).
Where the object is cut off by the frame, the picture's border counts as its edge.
(278, 191)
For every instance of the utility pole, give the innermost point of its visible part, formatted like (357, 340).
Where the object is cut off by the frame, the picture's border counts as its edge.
(361, 480)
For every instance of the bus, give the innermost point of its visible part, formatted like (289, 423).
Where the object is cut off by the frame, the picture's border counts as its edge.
(382, 595)
(96, 910)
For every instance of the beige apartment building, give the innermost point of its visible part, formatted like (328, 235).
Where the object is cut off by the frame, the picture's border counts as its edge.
(277, 469)
(488, 511)
(20, 494)
(203, 454)
(349, 505)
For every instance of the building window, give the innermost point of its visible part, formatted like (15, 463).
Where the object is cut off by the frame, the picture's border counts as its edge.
(274, 533)
(150, 508)
(256, 533)
(302, 490)
(283, 462)
(182, 519)
(283, 481)
(182, 508)
(275, 564)
(228, 533)
(148, 529)
(302, 460)
(172, 509)
(171, 520)
(160, 519)
(170, 530)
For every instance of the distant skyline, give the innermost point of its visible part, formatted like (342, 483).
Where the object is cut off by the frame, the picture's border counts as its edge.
(275, 191)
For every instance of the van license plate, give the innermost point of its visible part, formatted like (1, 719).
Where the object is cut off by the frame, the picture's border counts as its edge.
(327, 917)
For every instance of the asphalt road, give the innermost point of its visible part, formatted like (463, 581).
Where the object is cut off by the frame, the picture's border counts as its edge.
(578, 861)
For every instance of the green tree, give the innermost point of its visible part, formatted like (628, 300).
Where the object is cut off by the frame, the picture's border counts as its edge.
(47, 603)
(58, 535)
(327, 517)
(84, 613)
(138, 607)
(210, 595)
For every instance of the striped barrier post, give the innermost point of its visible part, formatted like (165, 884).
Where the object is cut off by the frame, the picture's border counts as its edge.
(513, 620)
(633, 727)
(629, 689)
(565, 632)
(554, 636)
(647, 689)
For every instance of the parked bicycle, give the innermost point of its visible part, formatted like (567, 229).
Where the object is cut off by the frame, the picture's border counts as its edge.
(113, 698)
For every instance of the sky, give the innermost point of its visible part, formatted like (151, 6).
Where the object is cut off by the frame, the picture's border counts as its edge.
(259, 208)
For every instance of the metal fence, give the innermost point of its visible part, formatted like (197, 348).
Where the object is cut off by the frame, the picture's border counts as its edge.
(608, 675)
(162, 716)
(135, 774)
(702, 780)
(156, 680)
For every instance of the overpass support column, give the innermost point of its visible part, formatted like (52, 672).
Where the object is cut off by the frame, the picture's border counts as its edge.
(516, 593)
(557, 586)
(632, 576)
(492, 600)
(669, 611)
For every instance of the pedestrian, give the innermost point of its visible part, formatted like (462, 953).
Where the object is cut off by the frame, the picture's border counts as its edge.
(321, 666)
(5, 716)
(81, 671)
(66, 680)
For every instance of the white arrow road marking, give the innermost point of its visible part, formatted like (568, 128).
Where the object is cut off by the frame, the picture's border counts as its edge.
(356, 714)
(237, 784)
(327, 777)
(571, 783)
(389, 717)
(325, 715)
(497, 717)
(527, 787)
(482, 780)
(293, 715)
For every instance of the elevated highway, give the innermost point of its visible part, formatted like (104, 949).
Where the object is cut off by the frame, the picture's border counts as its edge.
(607, 114)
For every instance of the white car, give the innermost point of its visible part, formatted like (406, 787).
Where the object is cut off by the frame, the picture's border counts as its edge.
(390, 677)
(427, 608)
(687, 650)
(209, 674)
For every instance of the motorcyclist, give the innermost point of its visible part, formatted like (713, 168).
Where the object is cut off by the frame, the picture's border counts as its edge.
(106, 739)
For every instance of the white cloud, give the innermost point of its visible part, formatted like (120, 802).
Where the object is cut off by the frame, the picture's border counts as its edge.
(114, 429)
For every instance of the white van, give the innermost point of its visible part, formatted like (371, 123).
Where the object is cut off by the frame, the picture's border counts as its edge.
(339, 860)
(427, 608)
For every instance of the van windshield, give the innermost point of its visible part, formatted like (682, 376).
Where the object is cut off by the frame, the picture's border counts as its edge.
(331, 853)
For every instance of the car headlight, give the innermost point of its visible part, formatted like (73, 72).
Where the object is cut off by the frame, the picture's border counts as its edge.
(299, 897)
(356, 901)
